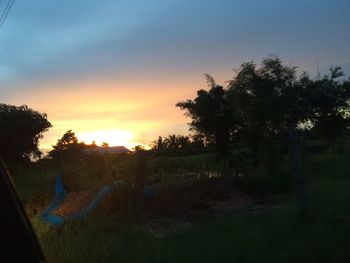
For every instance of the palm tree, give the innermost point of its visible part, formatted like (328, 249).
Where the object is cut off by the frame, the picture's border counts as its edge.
(183, 141)
(172, 141)
(159, 144)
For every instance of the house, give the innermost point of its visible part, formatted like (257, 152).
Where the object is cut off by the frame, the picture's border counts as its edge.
(108, 150)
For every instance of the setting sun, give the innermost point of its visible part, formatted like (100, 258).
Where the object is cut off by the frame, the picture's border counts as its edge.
(112, 137)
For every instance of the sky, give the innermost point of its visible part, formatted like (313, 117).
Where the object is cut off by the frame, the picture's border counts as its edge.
(114, 70)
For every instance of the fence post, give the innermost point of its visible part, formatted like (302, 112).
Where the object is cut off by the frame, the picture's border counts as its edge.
(296, 155)
(140, 175)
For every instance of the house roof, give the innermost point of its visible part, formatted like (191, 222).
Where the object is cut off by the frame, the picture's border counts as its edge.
(110, 150)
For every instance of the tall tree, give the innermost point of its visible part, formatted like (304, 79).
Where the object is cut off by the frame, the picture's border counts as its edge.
(267, 98)
(212, 115)
(171, 142)
(67, 149)
(21, 128)
(268, 102)
(328, 105)
(197, 141)
(159, 144)
(67, 139)
(183, 141)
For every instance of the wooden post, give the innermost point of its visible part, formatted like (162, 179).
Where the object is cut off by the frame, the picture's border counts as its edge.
(140, 175)
(301, 181)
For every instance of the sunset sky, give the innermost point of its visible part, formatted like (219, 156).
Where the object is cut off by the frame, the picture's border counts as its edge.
(114, 70)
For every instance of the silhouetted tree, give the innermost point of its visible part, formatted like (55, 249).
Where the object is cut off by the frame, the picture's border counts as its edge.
(268, 99)
(178, 142)
(67, 149)
(171, 142)
(105, 144)
(268, 102)
(183, 141)
(328, 105)
(197, 141)
(21, 128)
(159, 144)
(212, 115)
(138, 148)
(67, 139)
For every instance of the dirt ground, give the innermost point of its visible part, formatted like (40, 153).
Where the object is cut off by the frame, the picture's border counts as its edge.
(182, 204)
(74, 202)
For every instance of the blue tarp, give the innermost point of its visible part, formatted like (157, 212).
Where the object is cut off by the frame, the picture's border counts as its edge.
(49, 217)
(60, 194)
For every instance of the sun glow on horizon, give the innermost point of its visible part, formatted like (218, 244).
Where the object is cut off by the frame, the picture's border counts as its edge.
(112, 137)
(127, 116)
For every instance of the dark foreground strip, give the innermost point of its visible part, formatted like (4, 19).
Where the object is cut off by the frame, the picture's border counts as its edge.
(18, 242)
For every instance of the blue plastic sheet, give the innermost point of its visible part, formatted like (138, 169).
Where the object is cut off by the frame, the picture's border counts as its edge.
(60, 193)
(49, 217)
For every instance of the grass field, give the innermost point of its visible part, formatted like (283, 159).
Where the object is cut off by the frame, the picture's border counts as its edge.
(254, 234)
(260, 232)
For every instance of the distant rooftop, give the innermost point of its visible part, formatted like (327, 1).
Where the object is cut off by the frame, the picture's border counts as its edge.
(110, 150)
